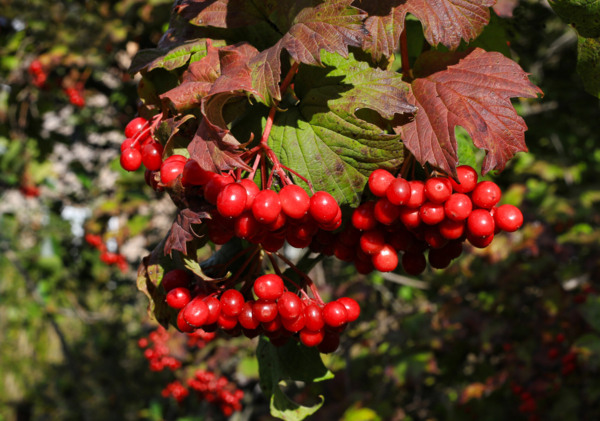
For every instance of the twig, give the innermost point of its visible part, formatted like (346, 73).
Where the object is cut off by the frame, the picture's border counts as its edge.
(403, 280)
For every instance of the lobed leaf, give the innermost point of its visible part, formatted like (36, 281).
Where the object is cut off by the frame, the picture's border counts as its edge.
(474, 94)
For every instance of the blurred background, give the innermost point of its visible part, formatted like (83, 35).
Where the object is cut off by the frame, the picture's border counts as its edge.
(509, 332)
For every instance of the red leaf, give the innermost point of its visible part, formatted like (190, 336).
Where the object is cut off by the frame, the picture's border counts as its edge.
(223, 13)
(444, 21)
(474, 94)
(332, 26)
(182, 231)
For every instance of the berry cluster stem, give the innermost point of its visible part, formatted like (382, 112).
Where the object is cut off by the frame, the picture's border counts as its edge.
(304, 276)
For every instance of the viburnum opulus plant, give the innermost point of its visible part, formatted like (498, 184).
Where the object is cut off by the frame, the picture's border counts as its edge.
(281, 121)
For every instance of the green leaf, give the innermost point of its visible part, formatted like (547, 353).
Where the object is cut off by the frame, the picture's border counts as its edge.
(583, 15)
(588, 64)
(295, 362)
(323, 139)
(177, 146)
(590, 311)
(466, 149)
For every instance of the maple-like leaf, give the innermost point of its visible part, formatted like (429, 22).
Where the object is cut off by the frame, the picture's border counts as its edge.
(474, 94)
(224, 13)
(312, 26)
(444, 21)
(182, 230)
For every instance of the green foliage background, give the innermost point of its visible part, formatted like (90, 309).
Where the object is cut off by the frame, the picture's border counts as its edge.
(445, 347)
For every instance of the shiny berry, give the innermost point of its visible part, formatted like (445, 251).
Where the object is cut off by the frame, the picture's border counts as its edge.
(438, 189)
(289, 305)
(479, 242)
(508, 218)
(246, 316)
(486, 195)
(417, 194)
(294, 201)
(371, 242)
(363, 217)
(323, 207)
(432, 213)
(252, 190)
(450, 229)
(410, 217)
(131, 159)
(152, 156)
(264, 310)
(352, 308)
(129, 143)
(196, 312)
(311, 338)
(334, 314)
(268, 287)
(170, 170)
(294, 325)
(246, 226)
(266, 207)
(226, 322)
(182, 325)
(272, 243)
(231, 202)
(313, 318)
(386, 260)
(399, 192)
(433, 237)
(379, 181)
(195, 175)
(134, 126)
(215, 186)
(385, 211)
(467, 177)
(343, 251)
(480, 223)
(214, 309)
(178, 298)
(232, 302)
(458, 207)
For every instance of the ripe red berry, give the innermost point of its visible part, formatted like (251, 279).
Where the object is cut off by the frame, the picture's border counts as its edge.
(214, 187)
(438, 189)
(131, 159)
(246, 317)
(231, 202)
(371, 242)
(363, 267)
(363, 217)
(251, 190)
(467, 177)
(176, 278)
(294, 325)
(195, 175)
(414, 263)
(438, 259)
(134, 126)
(226, 322)
(432, 213)
(268, 287)
(246, 226)
(311, 338)
(296, 242)
(323, 207)
(417, 194)
(178, 298)
(334, 314)
(128, 144)
(313, 317)
(508, 218)
(170, 170)
(306, 230)
(458, 207)
(232, 302)
(330, 343)
(352, 308)
(410, 217)
(399, 192)
(350, 235)
(289, 305)
(486, 195)
(272, 243)
(214, 309)
(379, 181)
(196, 312)
(266, 207)
(386, 260)
(434, 238)
(182, 325)
(385, 211)
(343, 252)
(450, 229)
(219, 236)
(480, 223)
(479, 242)
(152, 156)
(294, 201)
(264, 310)
(273, 325)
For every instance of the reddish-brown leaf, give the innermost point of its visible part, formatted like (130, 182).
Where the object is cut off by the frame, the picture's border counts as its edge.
(474, 94)
(444, 21)
(182, 230)
(224, 13)
(312, 26)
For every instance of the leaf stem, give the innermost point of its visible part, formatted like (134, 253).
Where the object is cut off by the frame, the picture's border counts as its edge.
(306, 278)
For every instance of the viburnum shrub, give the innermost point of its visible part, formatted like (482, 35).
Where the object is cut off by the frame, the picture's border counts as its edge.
(295, 130)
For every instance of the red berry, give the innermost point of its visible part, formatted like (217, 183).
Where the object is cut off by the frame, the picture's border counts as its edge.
(268, 287)
(313, 318)
(170, 170)
(195, 175)
(379, 181)
(177, 278)
(311, 338)
(35, 67)
(330, 343)
(294, 325)
(296, 242)
(450, 229)
(438, 190)
(226, 322)
(414, 263)
(343, 252)
(417, 194)
(371, 242)
(273, 325)
(178, 298)
(386, 260)
(363, 267)
(246, 316)
(264, 311)
(410, 217)
(432, 213)
(231, 202)
(196, 312)
(479, 242)
(363, 217)
(131, 159)
(214, 187)
(399, 192)
(458, 207)
(306, 230)
(219, 236)
(323, 207)
(508, 218)
(385, 211)
(182, 325)
(152, 156)
(352, 308)
(214, 309)
(467, 177)
(246, 226)
(486, 195)
(438, 259)
(400, 240)
(252, 190)
(289, 305)
(350, 236)
(272, 243)
(134, 126)
(334, 314)
(480, 223)
(232, 302)
(294, 201)
(434, 238)
(266, 207)
(128, 144)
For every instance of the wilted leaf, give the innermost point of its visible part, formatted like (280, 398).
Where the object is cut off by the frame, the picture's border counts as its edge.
(474, 94)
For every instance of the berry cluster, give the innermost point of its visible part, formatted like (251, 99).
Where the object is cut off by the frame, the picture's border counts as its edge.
(200, 338)
(36, 70)
(412, 217)
(29, 190)
(175, 389)
(277, 313)
(158, 354)
(106, 256)
(217, 390)
(75, 95)
(139, 147)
